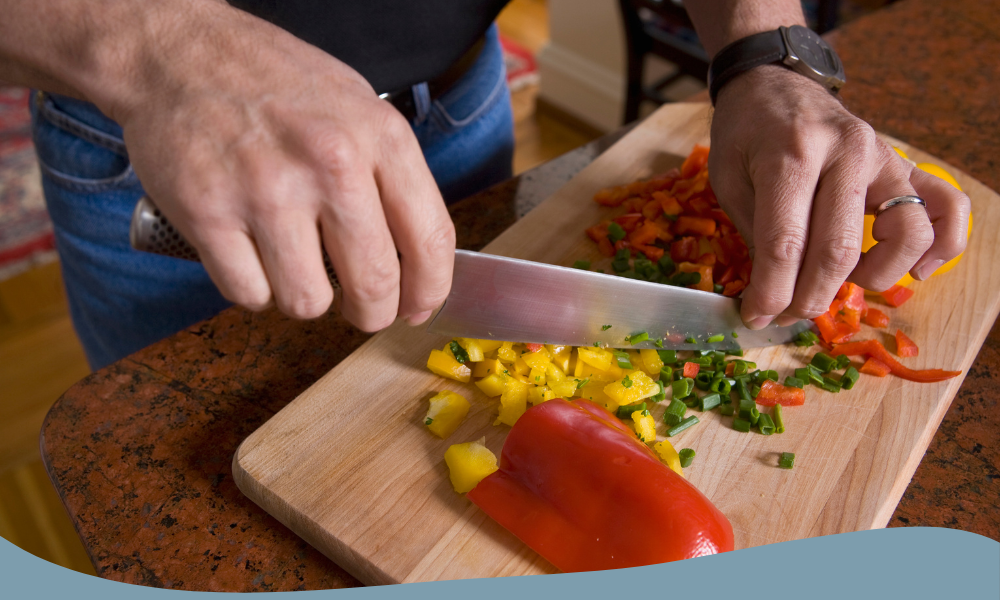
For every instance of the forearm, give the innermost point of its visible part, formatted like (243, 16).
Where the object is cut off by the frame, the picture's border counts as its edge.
(721, 22)
(111, 52)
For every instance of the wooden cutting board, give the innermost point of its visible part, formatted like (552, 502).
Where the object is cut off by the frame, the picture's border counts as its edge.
(350, 467)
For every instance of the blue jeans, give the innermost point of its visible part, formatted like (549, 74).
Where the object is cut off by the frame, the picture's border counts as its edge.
(122, 300)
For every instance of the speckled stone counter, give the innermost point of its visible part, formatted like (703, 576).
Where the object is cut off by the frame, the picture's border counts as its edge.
(140, 451)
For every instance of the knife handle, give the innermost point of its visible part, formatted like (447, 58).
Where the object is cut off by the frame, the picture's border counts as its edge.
(150, 231)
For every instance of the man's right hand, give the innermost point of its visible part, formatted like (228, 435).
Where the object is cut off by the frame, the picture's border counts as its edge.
(262, 150)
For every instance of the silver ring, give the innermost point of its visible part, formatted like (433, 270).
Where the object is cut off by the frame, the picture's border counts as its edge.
(899, 200)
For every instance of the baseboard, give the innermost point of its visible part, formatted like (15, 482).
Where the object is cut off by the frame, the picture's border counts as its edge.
(590, 92)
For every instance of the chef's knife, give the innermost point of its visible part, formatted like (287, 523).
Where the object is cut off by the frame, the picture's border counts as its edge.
(494, 297)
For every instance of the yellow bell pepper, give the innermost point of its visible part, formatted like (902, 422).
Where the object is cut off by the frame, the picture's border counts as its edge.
(651, 362)
(469, 463)
(596, 357)
(487, 367)
(445, 365)
(540, 393)
(493, 384)
(513, 402)
(446, 413)
(560, 355)
(537, 360)
(669, 456)
(563, 389)
(521, 367)
(487, 346)
(594, 391)
(635, 386)
(506, 352)
(554, 373)
(536, 376)
(645, 426)
(472, 348)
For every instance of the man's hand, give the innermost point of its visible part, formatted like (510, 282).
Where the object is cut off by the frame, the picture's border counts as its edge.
(257, 146)
(797, 172)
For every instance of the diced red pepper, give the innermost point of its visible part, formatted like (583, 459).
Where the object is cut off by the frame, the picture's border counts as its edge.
(875, 349)
(691, 369)
(606, 247)
(701, 206)
(634, 204)
(629, 221)
(904, 345)
(684, 250)
(772, 392)
(646, 233)
(668, 203)
(566, 472)
(826, 325)
(599, 231)
(652, 209)
(733, 288)
(534, 347)
(653, 253)
(699, 225)
(707, 259)
(876, 318)
(897, 295)
(611, 196)
(874, 366)
(695, 162)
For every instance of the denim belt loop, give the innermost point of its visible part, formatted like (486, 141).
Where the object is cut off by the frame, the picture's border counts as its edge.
(421, 102)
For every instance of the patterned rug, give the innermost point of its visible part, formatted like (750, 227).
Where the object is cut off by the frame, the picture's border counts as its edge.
(520, 62)
(25, 230)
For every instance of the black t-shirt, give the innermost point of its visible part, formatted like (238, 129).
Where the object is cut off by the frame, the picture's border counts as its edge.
(392, 43)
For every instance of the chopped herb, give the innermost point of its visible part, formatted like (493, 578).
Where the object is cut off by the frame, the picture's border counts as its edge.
(806, 339)
(658, 343)
(538, 377)
(824, 362)
(428, 421)
(581, 382)
(718, 288)
(626, 382)
(794, 382)
(741, 425)
(691, 340)
(605, 327)
(779, 422)
(765, 424)
(583, 265)
(735, 335)
(460, 354)
(634, 339)
(669, 357)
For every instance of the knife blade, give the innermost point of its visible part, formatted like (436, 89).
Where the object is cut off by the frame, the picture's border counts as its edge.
(500, 298)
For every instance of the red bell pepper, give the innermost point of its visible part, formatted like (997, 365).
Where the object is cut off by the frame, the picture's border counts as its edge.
(897, 295)
(691, 369)
(876, 318)
(874, 366)
(684, 249)
(629, 221)
(534, 347)
(699, 225)
(695, 162)
(904, 345)
(875, 349)
(568, 469)
(772, 392)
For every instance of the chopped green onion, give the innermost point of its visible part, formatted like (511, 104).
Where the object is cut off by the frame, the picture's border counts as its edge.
(718, 288)
(765, 424)
(685, 279)
(755, 391)
(850, 377)
(626, 382)
(690, 340)
(682, 388)
(625, 412)
(658, 343)
(742, 391)
(735, 335)
(787, 460)
(666, 264)
(806, 339)
(580, 382)
(688, 422)
(620, 263)
(794, 382)
(709, 402)
(843, 361)
(634, 339)
(716, 338)
(831, 385)
(623, 359)
(687, 456)
(669, 357)
(666, 373)
(605, 327)
(428, 421)
(460, 354)
(736, 352)
(660, 395)
(754, 415)
(721, 385)
(702, 361)
(741, 425)
(779, 422)
(802, 374)
(824, 362)
(746, 406)
(740, 368)
(727, 410)
(582, 265)
(675, 412)
(615, 232)
(703, 381)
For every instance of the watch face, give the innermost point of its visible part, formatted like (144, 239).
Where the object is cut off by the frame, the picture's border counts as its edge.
(812, 50)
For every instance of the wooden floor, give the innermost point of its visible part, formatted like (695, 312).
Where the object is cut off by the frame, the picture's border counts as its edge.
(40, 356)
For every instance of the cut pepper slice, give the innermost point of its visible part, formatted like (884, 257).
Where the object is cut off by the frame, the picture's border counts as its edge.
(567, 470)
(875, 349)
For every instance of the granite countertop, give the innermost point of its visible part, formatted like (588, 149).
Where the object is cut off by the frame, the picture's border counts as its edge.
(140, 451)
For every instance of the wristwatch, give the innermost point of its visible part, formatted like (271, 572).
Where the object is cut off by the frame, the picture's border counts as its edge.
(796, 47)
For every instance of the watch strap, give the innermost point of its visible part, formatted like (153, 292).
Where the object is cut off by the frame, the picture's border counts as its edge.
(742, 55)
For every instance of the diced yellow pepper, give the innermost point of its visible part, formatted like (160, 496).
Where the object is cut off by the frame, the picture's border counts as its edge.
(537, 376)
(645, 426)
(578, 365)
(472, 348)
(651, 361)
(446, 413)
(560, 355)
(539, 394)
(488, 367)
(486, 345)
(469, 463)
(669, 456)
(444, 365)
(639, 386)
(586, 371)
(563, 389)
(521, 367)
(595, 393)
(492, 385)
(506, 352)
(597, 357)
(513, 402)
(537, 360)
(554, 373)
(636, 359)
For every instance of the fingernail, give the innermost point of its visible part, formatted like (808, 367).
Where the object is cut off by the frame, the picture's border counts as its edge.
(927, 270)
(418, 318)
(760, 322)
(785, 321)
